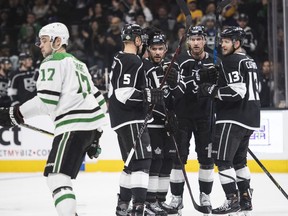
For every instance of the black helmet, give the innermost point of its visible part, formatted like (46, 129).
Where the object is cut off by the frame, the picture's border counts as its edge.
(130, 31)
(234, 33)
(23, 56)
(196, 30)
(157, 38)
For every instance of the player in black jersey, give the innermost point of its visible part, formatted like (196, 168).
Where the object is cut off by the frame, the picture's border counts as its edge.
(5, 70)
(194, 117)
(237, 116)
(23, 83)
(163, 147)
(127, 99)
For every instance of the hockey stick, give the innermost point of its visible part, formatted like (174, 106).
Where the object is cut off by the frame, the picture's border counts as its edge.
(186, 11)
(36, 129)
(202, 209)
(268, 173)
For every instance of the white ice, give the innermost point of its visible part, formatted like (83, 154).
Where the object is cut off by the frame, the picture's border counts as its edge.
(26, 194)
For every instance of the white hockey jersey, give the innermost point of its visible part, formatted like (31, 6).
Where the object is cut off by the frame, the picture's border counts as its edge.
(66, 93)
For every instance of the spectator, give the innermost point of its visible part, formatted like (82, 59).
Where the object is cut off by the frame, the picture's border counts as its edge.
(174, 44)
(250, 42)
(138, 7)
(113, 42)
(28, 33)
(229, 13)
(266, 85)
(210, 28)
(94, 44)
(196, 13)
(164, 22)
(76, 47)
(40, 9)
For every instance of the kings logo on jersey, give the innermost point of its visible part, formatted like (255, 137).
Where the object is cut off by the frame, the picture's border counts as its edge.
(29, 84)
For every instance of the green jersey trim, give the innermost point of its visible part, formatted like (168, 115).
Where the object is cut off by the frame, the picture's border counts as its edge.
(79, 120)
(57, 57)
(47, 101)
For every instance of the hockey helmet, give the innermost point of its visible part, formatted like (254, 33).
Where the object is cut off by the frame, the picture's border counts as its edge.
(130, 32)
(23, 56)
(157, 38)
(196, 31)
(234, 33)
(54, 30)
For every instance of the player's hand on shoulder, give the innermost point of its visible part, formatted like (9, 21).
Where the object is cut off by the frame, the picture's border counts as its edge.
(10, 116)
(94, 150)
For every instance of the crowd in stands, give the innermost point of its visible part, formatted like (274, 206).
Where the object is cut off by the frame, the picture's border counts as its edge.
(95, 27)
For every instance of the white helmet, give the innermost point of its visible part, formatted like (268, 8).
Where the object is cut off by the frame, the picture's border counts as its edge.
(54, 30)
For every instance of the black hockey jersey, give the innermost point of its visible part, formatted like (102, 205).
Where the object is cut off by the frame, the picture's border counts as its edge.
(239, 101)
(155, 74)
(22, 87)
(190, 105)
(4, 98)
(127, 81)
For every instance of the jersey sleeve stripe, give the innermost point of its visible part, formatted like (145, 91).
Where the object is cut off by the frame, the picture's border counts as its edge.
(77, 112)
(80, 120)
(49, 92)
(47, 101)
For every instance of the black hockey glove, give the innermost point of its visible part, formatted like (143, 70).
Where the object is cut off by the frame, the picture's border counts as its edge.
(171, 123)
(207, 75)
(172, 77)
(207, 90)
(153, 96)
(94, 149)
(10, 117)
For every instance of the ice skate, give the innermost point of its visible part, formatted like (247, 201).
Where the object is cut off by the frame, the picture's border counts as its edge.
(170, 210)
(137, 210)
(155, 209)
(122, 207)
(230, 206)
(246, 202)
(177, 203)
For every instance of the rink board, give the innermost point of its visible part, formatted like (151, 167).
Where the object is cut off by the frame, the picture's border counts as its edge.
(25, 150)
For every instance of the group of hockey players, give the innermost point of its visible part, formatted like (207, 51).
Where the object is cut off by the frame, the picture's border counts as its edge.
(214, 99)
(155, 106)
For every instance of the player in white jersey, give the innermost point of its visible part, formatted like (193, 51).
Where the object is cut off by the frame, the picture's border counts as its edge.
(66, 93)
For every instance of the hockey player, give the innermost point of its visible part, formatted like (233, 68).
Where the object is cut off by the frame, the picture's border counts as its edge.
(127, 108)
(237, 116)
(23, 83)
(194, 117)
(5, 70)
(66, 93)
(163, 147)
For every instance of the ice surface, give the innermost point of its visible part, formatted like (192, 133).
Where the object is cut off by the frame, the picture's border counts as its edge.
(26, 194)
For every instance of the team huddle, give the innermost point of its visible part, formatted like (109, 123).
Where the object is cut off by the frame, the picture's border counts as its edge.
(155, 106)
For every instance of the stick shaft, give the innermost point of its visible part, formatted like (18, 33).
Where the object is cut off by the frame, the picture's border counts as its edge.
(268, 173)
(36, 129)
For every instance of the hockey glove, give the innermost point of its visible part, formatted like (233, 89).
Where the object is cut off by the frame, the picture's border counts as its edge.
(172, 77)
(154, 96)
(207, 75)
(171, 123)
(207, 90)
(10, 117)
(94, 149)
